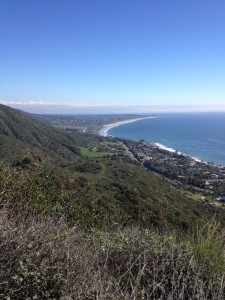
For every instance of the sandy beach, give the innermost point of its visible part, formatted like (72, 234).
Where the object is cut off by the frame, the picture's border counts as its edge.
(104, 130)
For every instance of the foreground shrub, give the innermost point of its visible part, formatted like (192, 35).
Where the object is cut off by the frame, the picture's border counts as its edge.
(209, 244)
(49, 260)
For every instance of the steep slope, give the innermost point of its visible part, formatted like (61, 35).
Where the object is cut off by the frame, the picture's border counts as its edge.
(21, 136)
(99, 193)
(136, 194)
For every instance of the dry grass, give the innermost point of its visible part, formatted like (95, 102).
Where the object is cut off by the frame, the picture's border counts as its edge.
(49, 260)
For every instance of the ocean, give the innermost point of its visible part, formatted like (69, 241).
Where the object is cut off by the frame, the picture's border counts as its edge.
(200, 135)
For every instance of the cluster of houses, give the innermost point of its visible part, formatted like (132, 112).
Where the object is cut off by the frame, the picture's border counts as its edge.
(108, 147)
(211, 175)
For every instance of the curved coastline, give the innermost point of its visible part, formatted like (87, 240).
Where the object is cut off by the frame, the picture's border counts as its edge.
(104, 132)
(105, 128)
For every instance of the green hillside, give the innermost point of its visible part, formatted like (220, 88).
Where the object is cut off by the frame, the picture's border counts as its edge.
(100, 193)
(21, 136)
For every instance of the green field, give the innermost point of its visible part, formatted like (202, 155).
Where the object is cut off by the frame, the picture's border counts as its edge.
(85, 152)
(194, 196)
(111, 143)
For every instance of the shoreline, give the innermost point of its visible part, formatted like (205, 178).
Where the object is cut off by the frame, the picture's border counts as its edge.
(105, 128)
(160, 146)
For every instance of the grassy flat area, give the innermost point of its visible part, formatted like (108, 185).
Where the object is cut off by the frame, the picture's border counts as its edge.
(85, 152)
(111, 143)
(194, 196)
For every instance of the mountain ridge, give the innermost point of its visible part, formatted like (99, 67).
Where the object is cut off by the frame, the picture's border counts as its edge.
(41, 142)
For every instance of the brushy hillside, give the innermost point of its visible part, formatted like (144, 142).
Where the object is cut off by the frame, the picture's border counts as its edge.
(101, 193)
(21, 136)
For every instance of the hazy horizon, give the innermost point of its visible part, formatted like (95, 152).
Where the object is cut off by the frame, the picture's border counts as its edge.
(135, 109)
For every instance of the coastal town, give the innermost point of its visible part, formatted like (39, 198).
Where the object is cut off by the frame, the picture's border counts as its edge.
(179, 167)
(203, 181)
(89, 123)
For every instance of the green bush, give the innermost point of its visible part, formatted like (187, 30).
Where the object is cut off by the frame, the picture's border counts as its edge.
(209, 244)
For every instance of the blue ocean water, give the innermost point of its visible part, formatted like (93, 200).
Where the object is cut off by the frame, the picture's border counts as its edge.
(200, 135)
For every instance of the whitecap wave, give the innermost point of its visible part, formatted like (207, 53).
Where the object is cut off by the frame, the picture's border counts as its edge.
(165, 148)
(197, 159)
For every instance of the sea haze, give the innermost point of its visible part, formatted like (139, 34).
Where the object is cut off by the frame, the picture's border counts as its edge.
(200, 135)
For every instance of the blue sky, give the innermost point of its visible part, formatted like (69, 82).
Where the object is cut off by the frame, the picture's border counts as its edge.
(143, 54)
